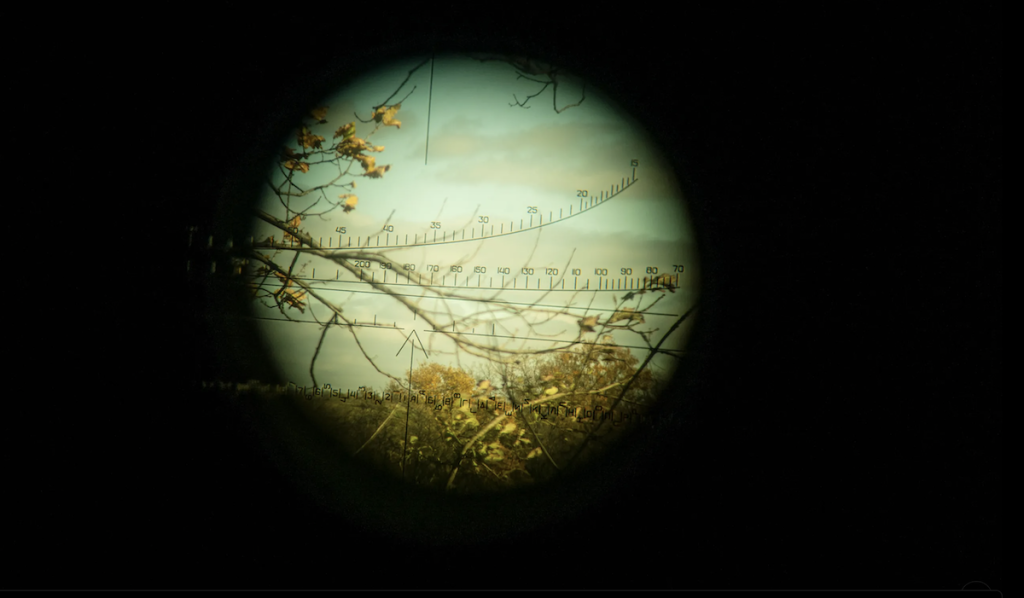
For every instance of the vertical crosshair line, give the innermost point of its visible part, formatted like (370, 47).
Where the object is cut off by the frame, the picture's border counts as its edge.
(430, 96)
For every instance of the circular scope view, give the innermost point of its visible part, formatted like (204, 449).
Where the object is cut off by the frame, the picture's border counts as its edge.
(472, 270)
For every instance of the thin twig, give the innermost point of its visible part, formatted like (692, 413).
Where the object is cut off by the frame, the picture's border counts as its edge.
(629, 383)
(379, 428)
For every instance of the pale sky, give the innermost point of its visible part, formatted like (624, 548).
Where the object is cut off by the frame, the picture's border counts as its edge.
(486, 159)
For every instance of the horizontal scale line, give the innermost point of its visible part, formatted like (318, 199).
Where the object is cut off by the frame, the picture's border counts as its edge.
(494, 301)
(446, 241)
(548, 340)
(315, 322)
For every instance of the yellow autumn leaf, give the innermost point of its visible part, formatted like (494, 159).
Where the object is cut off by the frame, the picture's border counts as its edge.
(351, 147)
(350, 202)
(368, 162)
(296, 165)
(626, 313)
(370, 166)
(587, 324)
(294, 299)
(386, 116)
(378, 172)
(319, 114)
(346, 131)
(306, 138)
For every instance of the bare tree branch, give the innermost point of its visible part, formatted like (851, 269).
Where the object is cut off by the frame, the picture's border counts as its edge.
(626, 387)
(536, 72)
